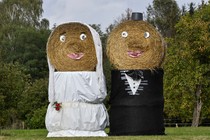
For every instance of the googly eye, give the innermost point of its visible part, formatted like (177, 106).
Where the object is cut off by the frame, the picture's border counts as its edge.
(146, 34)
(62, 38)
(83, 36)
(124, 34)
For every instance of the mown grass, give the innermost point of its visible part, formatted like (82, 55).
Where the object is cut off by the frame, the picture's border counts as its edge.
(181, 133)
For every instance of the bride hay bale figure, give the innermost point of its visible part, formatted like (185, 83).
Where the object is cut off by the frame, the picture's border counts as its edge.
(136, 50)
(76, 82)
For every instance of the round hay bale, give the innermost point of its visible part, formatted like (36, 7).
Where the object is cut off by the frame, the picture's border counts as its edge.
(71, 47)
(135, 45)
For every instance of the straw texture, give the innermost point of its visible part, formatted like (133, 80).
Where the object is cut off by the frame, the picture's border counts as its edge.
(135, 45)
(72, 40)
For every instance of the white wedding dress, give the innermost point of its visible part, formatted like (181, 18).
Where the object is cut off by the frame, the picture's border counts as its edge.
(82, 112)
(81, 96)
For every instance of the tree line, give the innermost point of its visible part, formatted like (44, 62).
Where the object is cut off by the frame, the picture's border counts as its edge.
(24, 69)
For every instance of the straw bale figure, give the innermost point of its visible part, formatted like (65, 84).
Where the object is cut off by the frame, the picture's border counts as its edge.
(76, 82)
(136, 50)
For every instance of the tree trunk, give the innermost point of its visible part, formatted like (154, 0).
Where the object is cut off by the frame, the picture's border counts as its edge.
(197, 107)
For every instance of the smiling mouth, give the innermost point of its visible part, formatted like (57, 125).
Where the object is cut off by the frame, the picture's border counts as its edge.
(135, 54)
(75, 56)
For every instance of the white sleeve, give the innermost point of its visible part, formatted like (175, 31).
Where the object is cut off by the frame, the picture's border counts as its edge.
(51, 88)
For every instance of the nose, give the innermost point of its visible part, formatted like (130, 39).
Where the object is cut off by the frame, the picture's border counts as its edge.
(76, 47)
(138, 42)
(135, 45)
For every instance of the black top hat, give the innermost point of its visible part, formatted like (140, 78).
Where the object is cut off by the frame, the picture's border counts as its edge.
(137, 16)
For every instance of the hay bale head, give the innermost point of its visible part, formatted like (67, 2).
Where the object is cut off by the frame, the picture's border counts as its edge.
(135, 44)
(71, 47)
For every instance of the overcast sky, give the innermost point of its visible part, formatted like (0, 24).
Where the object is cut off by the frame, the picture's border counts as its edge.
(102, 12)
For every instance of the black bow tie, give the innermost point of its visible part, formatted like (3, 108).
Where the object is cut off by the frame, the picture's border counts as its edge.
(135, 74)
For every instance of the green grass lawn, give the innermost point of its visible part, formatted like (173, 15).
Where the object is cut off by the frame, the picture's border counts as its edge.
(181, 133)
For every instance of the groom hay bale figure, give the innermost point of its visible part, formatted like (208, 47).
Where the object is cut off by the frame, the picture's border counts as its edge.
(76, 82)
(136, 50)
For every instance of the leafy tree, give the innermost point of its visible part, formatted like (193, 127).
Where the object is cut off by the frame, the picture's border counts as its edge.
(23, 36)
(21, 12)
(164, 14)
(13, 82)
(44, 24)
(23, 39)
(28, 48)
(33, 104)
(187, 69)
(15, 14)
(37, 120)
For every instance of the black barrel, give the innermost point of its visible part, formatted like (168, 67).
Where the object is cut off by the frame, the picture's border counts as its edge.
(139, 113)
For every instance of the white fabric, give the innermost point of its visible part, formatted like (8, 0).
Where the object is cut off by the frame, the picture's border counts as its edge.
(81, 105)
(77, 133)
(81, 94)
(134, 84)
(99, 66)
(77, 87)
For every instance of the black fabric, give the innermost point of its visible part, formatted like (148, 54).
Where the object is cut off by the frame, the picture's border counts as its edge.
(136, 120)
(151, 94)
(135, 74)
(141, 113)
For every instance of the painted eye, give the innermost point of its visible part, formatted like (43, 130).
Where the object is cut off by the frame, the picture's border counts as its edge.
(62, 38)
(146, 34)
(83, 36)
(124, 34)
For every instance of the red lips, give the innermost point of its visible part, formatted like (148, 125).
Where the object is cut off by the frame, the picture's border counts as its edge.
(75, 56)
(134, 54)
